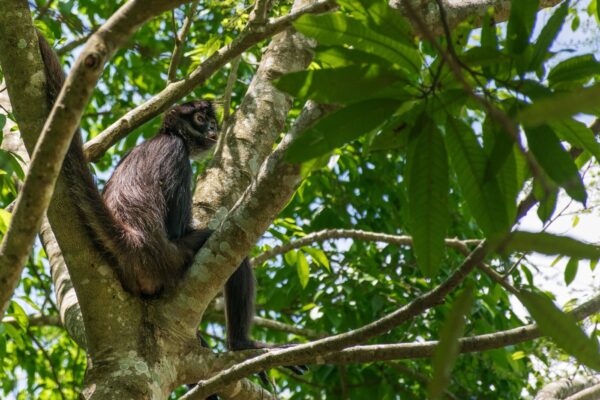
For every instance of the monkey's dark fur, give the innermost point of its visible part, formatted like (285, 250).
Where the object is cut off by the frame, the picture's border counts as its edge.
(143, 220)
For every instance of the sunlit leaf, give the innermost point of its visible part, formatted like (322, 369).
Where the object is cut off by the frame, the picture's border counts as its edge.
(448, 347)
(340, 127)
(571, 270)
(428, 188)
(562, 328)
(555, 160)
(547, 243)
(520, 24)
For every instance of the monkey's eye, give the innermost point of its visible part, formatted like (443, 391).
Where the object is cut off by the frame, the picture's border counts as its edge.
(198, 119)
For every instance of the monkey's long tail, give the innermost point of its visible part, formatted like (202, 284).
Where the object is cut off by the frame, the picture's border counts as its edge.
(102, 226)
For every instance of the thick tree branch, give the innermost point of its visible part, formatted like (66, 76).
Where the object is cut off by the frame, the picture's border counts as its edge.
(400, 351)
(344, 340)
(461, 10)
(176, 90)
(66, 299)
(581, 388)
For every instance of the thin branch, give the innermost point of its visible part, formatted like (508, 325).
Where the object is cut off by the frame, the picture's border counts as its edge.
(260, 12)
(96, 147)
(401, 351)
(36, 320)
(49, 360)
(460, 245)
(329, 234)
(180, 41)
(268, 323)
(73, 44)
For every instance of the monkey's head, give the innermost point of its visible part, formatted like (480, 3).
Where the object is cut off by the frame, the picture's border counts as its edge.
(195, 122)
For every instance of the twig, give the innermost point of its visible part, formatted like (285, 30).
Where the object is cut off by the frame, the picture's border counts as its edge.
(180, 41)
(49, 360)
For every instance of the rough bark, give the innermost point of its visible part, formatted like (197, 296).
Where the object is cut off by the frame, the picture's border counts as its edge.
(461, 10)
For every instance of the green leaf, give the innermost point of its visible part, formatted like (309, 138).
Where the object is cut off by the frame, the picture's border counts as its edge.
(571, 270)
(5, 217)
(337, 85)
(489, 37)
(338, 56)
(562, 105)
(2, 121)
(548, 34)
(428, 189)
(578, 68)
(547, 243)
(302, 269)
(578, 134)
(520, 24)
(502, 164)
(468, 160)
(340, 127)
(547, 201)
(291, 257)
(447, 349)
(562, 328)
(555, 161)
(318, 256)
(340, 29)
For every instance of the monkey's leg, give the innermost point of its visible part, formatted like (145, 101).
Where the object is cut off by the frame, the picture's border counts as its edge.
(239, 311)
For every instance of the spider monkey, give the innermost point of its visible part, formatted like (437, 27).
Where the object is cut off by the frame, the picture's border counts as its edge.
(142, 221)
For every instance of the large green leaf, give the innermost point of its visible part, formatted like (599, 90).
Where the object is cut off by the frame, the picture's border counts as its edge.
(338, 56)
(571, 270)
(562, 105)
(520, 24)
(547, 243)
(340, 127)
(337, 85)
(428, 189)
(468, 159)
(555, 161)
(448, 347)
(578, 134)
(548, 34)
(502, 164)
(562, 328)
(578, 68)
(340, 29)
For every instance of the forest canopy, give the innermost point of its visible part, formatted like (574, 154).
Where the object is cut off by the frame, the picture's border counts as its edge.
(396, 172)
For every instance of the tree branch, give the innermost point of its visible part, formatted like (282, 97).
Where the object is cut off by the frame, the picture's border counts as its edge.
(461, 10)
(180, 42)
(329, 234)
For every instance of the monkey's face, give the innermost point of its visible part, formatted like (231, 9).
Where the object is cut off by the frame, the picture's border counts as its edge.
(195, 123)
